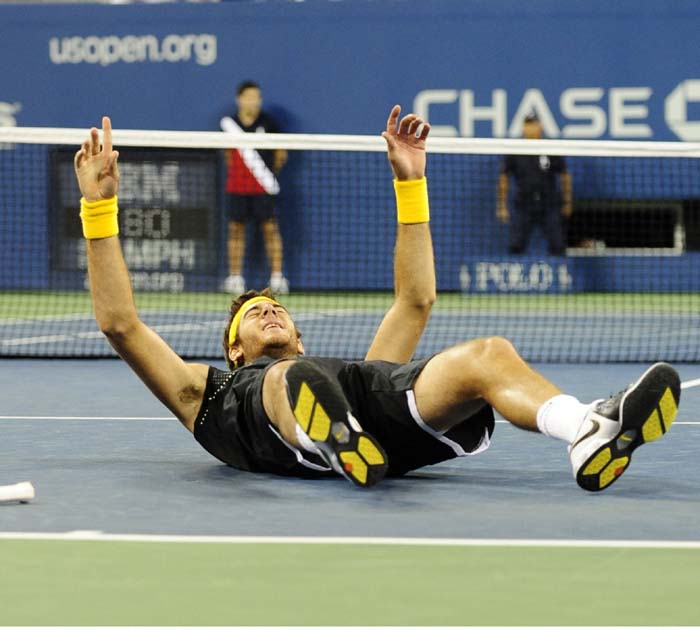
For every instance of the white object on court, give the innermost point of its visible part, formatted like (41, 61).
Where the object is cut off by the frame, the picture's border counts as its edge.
(19, 492)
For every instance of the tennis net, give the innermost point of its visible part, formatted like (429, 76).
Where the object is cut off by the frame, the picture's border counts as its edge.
(626, 288)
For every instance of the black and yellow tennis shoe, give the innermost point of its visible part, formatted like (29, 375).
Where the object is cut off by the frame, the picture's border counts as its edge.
(324, 415)
(615, 427)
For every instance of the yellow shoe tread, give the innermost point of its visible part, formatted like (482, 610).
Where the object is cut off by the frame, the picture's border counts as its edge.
(359, 468)
(320, 425)
(304, 407)
(369, 451)
(609, 474)
(652, 428)
(598, 462)
(668, 408)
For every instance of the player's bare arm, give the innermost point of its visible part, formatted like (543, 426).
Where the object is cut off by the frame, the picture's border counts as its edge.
(178, 385)
(414, 266)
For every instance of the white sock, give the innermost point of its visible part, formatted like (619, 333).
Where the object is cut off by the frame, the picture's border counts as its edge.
(561, 417)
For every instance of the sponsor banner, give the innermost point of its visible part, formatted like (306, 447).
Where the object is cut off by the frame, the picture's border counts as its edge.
(620, 113)
(483, 67)
(201, 49)
(574, 274)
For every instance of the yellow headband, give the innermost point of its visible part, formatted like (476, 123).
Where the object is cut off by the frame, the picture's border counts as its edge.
(233, 331)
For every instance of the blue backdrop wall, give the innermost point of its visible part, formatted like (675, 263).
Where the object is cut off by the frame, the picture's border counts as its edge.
(625, 70)
(335, 67)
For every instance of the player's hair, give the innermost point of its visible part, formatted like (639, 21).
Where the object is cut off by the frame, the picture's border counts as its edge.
(246, 85)
(236, 305)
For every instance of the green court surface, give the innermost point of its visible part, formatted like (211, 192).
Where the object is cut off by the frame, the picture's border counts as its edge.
(62, 583)
(28, 304)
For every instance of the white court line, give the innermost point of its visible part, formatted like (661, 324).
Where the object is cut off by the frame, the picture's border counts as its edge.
(98, 418)
(33, 340)
(689, 384)
(47, 318)
(97, 536)
(91, 335)
(161, 328)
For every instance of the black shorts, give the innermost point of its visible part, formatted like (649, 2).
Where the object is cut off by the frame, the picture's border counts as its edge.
(242, 208)
(381, 396)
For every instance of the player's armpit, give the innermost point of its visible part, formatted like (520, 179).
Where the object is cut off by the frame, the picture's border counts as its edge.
(178, 385)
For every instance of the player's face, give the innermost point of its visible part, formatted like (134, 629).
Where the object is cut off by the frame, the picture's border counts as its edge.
(532, 130)
(267, 329)
(249, 101)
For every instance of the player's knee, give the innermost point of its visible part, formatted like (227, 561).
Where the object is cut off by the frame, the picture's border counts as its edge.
(490, 350)
(499, 348)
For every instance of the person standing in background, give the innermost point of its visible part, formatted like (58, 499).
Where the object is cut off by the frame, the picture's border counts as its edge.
(538, 199)
(252, 189)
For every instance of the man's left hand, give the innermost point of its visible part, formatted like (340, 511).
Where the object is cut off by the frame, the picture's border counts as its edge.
(406, 144)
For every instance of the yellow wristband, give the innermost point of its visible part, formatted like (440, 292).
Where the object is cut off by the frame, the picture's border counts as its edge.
(412, 201)
(99, 217)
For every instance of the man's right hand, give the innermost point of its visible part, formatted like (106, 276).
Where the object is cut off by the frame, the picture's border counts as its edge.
(96, 167)
(405, 149)
(502, 213)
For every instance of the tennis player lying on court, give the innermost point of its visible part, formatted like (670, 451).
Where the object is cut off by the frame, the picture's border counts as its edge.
(280, 412)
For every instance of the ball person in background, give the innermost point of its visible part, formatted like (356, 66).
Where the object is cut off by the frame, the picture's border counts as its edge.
(252, 189)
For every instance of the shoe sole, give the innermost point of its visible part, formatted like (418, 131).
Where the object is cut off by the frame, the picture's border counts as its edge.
(322, 411)
(647, 411)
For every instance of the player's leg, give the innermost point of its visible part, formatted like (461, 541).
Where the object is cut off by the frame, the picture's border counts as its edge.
(276, 401)
(480, 370)
(309, 408)
(601, 435)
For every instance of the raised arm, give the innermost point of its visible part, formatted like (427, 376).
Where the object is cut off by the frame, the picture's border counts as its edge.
(179, 385)
(414, 266)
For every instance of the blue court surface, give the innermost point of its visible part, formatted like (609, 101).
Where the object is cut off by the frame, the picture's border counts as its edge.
(105, 455)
